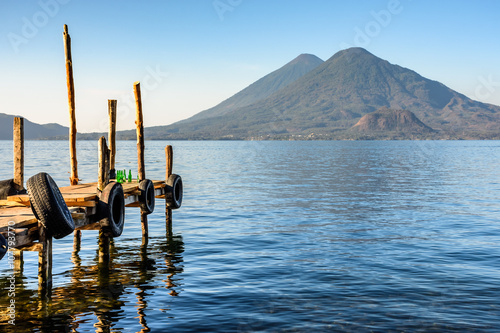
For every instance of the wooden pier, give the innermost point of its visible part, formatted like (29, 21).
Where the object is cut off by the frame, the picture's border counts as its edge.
(26, 227)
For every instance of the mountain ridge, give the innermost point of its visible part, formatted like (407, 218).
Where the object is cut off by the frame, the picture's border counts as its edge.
(335, 95)
(312, 98)
(32, 131)
(263, 87)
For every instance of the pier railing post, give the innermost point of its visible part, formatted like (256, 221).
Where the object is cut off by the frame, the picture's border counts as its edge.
(19, 153)
(169, 156)
(112, 136)
(71, 103)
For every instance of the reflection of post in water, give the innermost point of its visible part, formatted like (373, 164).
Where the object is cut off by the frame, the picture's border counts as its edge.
(144, 265)
(76, 272)
(172, 249)
(103, 247)
(104, 295)
(18, 262)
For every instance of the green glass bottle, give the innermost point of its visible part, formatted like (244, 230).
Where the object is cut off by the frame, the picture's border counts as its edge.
(129, 176)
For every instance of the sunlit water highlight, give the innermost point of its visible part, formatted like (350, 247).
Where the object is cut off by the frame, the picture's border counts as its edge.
(382, 236)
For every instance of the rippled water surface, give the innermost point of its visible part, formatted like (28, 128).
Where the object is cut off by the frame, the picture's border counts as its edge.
(381, 236)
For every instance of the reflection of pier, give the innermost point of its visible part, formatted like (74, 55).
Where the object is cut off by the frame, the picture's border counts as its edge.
(99, 288)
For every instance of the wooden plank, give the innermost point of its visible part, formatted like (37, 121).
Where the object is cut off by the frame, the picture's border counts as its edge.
(76, 199)
(7, 203)
(28, 237)
(22, 198)
(80, 188)
(78, 216)
(92, 226)
(16, 216)
(81, 203)
(23, 236)
(81, 195)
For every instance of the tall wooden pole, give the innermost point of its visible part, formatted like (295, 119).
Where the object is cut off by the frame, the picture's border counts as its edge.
(71, 103)
(141, 168)
(140, 132)
(19, 153)
(112, 136)
(169, 156)
(102, 181)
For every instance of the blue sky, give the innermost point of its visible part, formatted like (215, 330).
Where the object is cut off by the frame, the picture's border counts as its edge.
(190, 55)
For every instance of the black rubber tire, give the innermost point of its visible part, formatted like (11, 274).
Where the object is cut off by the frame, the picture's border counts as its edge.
(147, 196)
(174, 191)
(111, 209)
(48, 205)
(4, 246)
(7, 187)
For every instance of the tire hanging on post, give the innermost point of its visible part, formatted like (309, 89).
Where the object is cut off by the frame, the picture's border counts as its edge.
(4, 246)
(174, 191)
(147, 196)
(48, 206)
(111, 209)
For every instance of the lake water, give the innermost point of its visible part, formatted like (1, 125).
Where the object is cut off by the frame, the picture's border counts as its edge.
(341, 236)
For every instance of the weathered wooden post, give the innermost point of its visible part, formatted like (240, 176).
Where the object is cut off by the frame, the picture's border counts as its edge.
(103, 176)
(141, 168)
(18, 139)
(71, 103)
(44, 261)
(77, 240)
(169, 156)
(19, 153)
(102, 181)
(112, 137)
